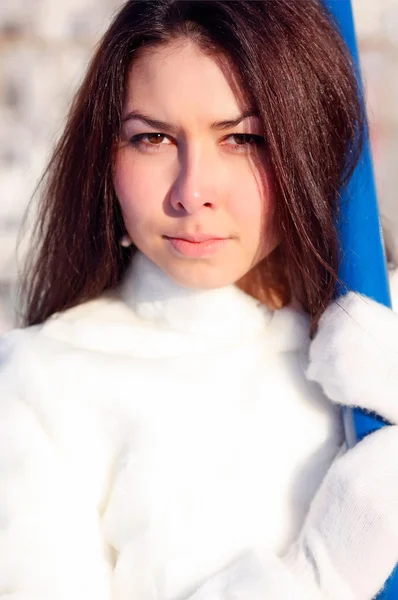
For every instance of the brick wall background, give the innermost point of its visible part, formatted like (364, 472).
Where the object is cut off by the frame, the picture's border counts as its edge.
(44, 49)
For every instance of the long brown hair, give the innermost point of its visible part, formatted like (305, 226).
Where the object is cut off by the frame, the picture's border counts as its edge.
(292, 62)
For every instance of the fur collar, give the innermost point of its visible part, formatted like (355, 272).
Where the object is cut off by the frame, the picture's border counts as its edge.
(150, 315)
(223, 312)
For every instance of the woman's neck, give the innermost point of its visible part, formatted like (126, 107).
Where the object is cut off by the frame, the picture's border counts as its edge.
(226, 311)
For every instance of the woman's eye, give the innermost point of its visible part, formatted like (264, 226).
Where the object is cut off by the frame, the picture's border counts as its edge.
(245, 140)
(149, 140)
(237, 142)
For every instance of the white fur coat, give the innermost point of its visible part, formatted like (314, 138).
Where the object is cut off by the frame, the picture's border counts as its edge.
(150, 436)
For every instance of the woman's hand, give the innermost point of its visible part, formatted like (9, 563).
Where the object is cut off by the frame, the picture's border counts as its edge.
(349, 541)
(351, 532)
(256, 575)
(348, 545)
(354, 355)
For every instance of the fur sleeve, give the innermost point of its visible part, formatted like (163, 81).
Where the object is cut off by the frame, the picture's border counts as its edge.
(257, 574)
(50, 541)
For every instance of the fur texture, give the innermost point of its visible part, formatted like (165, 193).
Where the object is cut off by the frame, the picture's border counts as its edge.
(152, 436)
(354, 356)
(348, 545)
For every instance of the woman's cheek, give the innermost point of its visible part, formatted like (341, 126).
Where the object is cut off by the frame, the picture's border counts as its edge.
(136, 188)
(253, 207)
(250, 199)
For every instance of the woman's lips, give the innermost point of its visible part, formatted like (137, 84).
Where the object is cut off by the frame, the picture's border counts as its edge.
(197, 249)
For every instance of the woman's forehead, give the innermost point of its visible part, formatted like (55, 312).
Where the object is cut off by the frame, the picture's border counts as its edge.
(179, 78)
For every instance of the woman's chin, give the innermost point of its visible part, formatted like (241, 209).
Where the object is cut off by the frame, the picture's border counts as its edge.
(202, 276)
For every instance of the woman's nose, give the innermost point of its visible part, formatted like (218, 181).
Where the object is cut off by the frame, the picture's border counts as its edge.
(196, 186)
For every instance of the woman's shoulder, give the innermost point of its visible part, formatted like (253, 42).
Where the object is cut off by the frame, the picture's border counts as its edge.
(109, 326)
(43, 365)
(107, 308)
(61, 332)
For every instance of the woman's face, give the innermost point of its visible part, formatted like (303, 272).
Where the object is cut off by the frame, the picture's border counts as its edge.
(194, 187)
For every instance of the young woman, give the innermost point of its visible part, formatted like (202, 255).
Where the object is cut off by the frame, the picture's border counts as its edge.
(164, 430)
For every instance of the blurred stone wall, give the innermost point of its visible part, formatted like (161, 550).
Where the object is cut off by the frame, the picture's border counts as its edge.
(45, 46)
(377, 30)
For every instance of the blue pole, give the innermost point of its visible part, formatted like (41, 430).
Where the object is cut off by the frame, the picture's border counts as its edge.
(363, 267)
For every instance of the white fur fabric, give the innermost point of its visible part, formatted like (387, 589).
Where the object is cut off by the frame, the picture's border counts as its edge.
(354, 356)
(152, 436)
(348, 545)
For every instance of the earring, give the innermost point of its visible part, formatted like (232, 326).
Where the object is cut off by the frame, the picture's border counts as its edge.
(125, 241)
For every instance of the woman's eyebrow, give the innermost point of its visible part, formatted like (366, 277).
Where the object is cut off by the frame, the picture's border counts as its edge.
(234, 122)
(170, 128)
(152, 122)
